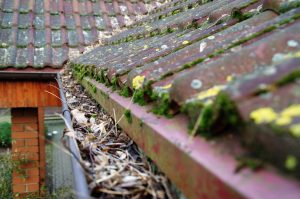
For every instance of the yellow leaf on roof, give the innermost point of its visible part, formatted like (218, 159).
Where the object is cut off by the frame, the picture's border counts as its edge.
(291, 162)
(263, 115)
(210, 92)
(229, 78)
(292, 111)
(185, 42)
(166, 86)
(283, 120)
(295, 130)
(138, 81)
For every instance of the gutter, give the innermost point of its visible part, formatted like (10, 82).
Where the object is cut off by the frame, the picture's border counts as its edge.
(80, 183)
(200, 168)
(29, 74)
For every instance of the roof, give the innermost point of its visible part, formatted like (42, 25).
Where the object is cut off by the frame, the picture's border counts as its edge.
(226, 64)
(41, 33)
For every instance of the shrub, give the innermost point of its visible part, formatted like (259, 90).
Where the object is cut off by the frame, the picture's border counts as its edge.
(5, 134)
(6, 175)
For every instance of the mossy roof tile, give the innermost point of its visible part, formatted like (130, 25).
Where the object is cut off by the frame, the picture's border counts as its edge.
(75, 24)
(188, 55)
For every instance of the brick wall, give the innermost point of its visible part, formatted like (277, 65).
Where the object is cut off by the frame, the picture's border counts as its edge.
(26, 144)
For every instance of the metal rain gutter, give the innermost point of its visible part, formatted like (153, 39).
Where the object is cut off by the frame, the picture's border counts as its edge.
(27, 74)
(80, 183)
(199, 168)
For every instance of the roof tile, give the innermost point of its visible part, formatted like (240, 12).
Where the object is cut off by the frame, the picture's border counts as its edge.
(75, 24)
(189, 56)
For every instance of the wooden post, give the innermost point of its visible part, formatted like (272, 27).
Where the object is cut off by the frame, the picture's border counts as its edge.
(42, 151)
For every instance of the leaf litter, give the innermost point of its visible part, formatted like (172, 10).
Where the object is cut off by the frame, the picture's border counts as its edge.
(115, 167)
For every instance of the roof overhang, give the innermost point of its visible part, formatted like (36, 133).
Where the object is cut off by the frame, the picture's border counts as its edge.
(28, 74)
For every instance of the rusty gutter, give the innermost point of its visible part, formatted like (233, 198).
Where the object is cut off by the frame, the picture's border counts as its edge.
(80, 182)
(198, 167)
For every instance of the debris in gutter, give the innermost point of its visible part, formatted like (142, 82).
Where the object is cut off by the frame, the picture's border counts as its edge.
(115, 167)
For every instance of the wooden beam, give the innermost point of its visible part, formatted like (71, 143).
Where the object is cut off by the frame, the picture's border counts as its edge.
(18, 94)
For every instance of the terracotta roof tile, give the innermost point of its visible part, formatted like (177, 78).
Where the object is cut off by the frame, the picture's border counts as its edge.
(269, 90)
(52, 24)
(191, 56)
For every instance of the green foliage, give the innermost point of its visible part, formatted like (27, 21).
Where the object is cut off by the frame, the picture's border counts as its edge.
(248, 162)
(114, 83)
(138, 97)
(125, 91)
(289, 78)
(128, 116)
(6, 175)
(163, 106)
(5, 134)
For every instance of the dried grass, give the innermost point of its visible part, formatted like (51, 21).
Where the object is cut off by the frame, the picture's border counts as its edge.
(114, 165)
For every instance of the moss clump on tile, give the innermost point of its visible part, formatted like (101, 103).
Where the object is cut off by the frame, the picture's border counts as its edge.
(128, 116)
(204, 122)
(240, 16)
(286, 6)
(141, 124)
(176, 11)
(125, 91)
(248, 162)
(211, 118)
(291, 163)
(225, 113)
(289, 78)
(82, 74)
(193, 110)
(114, 83)
(139, 97)
(98, 77)
(106, 82)
(162, 107)
(94, 88)
(192, 63)
(101, 76)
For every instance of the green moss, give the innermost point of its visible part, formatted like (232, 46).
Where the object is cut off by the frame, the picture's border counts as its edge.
(114, 83)
(205, 121)
(225, 108)
(170, 30)
(162, 16)
(248, 162)
(285, 80)
(94, 88)
(106, 82)
(278, 129)
(240, 16)
(266, 30)
(101, 76)
(162, 107)
(139, 97)
(176, 11)
(209, 119)
(193, 110)
(192, 63)
(82, 75)
(129, 38)
(141, 124)
(289, 5)
(289, 78)
(125, 91)
(128, 116)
